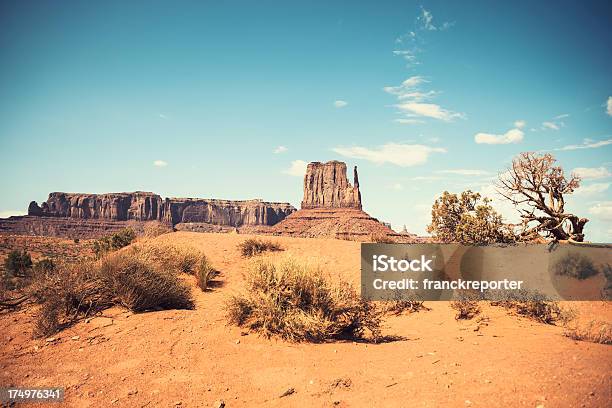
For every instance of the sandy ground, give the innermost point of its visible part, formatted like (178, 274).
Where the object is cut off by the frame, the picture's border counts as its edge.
(192, 358)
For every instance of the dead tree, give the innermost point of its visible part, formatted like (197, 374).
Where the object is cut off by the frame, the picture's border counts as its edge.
(537, 188)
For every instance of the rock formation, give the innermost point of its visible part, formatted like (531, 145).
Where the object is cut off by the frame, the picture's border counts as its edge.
(326, 186)
(331, 208)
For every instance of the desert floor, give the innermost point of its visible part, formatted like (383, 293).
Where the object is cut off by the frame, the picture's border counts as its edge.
(191, 358)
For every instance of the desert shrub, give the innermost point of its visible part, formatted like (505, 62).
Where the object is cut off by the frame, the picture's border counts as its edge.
(381, 238)
(113, 242)
(204, 273)
(466, 306)
(45, 265)
(18, 263)
(401, 303)
(534, 305)
(468, 219)
(73, 292)
(607, 289)
(254, 246)
(576, 266)
(140, 286)
(595, 332)
(169, 258)
(296, 303)
(155, 229)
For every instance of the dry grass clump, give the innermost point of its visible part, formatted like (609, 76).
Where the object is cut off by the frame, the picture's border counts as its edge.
(401, 304)
(381, 238)
(113, 242)
(155, 229)
(575, 266)
(296, 303)
(74, 292)
(170, 258)
(205, 273)
(466, 306)
(254, 246)
(534, 305)
(595, 331)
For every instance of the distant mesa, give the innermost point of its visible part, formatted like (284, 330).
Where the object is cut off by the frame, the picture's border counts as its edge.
(331, 208)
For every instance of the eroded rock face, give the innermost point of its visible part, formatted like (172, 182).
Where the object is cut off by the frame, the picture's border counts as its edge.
(225, 212)
(143, 206)
(139, 206)
(326, 186)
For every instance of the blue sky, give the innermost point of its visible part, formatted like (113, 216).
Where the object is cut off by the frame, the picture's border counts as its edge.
(231, 99)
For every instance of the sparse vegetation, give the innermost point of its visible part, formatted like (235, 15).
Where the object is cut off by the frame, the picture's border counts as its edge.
(534, 305)
(575, 265)
(18, 263)
(155, 229)
(466, 306)
(73, 292)
(381, 238)
(204, 273)
(254, 246)
(296, 303)
(595, 331)
(401, 304)
(113, 242)
(468, 219)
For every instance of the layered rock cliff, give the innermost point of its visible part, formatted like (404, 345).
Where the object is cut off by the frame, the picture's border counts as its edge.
(326, 186)
(143, 206)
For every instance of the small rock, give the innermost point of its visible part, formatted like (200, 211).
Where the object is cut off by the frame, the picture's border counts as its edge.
(132, 392)
(468, 402)
(287, 393)
(487, 381)
(114, 401)
(540, 405)
(75, 337)
(592, 393)
(218, 404)
(237, 341)
(51, 339)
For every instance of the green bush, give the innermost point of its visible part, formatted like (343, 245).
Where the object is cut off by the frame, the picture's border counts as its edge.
(18, 263)
(113, 242)
(204, 273)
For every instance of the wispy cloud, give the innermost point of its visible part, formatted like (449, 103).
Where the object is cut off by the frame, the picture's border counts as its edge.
(408, 121)
(465, 172)
(587, 144)
(162, 116)
(160, 163)
(340, 103)
(562, 116)
(602, 209)
(592, 172)
(280, 149)
(411, 102)
(590, 189)
(550, 125)
(511, 136)
(403, 155)
(297, 168)
(425, 20)
(519, 124)
(609, 106)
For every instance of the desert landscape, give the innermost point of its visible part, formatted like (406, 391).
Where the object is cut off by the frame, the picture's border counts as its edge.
(424, 355)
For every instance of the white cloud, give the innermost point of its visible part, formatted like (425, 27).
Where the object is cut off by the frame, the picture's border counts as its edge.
(430, 110)
(519, 124)
(511, 136)
(162, 116)
(550, 125)
(602, 209)
(160, 163)
(592, 172)
(405, 121)
(564, 115)
(587, 144)
(280, 149)
(590, 189)
(297, 168)
(412, 102)
(403, 155)
(465, 172)
(340, 103)
(609, 106)
(11, 213)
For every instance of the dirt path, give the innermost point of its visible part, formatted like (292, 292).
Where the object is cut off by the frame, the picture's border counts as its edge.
(192, 359)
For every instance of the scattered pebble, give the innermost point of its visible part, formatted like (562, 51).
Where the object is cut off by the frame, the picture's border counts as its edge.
(287, 393)
(237, 341)
(218, 404)
(75, 337)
